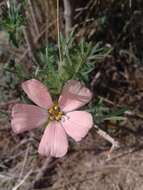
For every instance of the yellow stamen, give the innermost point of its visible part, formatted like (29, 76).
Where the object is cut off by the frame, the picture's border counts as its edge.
(55, 113)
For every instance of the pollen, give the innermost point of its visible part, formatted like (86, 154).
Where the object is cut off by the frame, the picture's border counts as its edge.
(54, 113)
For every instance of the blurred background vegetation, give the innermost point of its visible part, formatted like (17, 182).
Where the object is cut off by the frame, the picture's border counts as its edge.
(92, 35)
(99, 42)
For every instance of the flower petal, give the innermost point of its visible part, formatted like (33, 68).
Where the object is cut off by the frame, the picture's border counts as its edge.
(26, 117)
(77, 124)
(74, 95)
(38, 93)
(54, 141)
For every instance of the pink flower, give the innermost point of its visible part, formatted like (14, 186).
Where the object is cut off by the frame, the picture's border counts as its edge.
(60, 118)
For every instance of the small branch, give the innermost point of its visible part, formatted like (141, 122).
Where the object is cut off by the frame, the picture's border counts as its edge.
(107, 137)
(23, 180)
(68, 16)
(130, 3)
(42, 170)
(24, 163)
(95, 79)
(33, 17)
(58, 30)
(35, 41)
(6, 177)
(29, 44)
(47, 21)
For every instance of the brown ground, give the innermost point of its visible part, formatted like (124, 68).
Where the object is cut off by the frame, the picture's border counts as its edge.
(86, 166)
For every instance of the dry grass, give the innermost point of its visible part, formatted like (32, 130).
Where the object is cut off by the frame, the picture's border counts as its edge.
(86, 166)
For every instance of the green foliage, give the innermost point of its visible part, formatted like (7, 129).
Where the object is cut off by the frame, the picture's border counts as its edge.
(13, 75)
(76, 61)
(13, 20)
(102, 113)
(47, 71)
(17, 71)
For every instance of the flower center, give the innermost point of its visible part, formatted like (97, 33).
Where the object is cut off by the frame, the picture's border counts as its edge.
(55, 113)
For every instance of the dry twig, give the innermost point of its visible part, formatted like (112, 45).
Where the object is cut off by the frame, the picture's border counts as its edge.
(23, 180)
(29, 44)
(42, 170)
(107, 137)
(68, 16)
(33, 17)
(24, 162)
